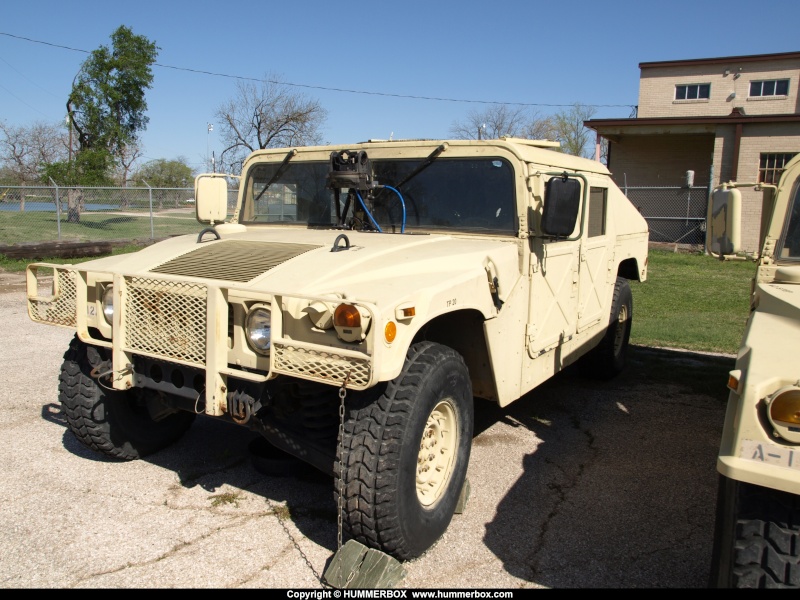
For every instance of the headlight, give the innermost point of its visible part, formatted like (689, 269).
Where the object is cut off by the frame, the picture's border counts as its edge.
(108, 304)
(258, 327)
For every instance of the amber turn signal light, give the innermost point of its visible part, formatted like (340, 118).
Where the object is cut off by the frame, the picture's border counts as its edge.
(347, 315)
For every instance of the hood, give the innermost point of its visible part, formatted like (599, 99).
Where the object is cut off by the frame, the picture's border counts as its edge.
(303, 261)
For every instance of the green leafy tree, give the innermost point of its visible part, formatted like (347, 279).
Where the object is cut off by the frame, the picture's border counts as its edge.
(164, 173)
(107, 103)
(106, 108)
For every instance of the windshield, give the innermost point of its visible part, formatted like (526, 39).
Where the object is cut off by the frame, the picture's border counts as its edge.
(790, 245)
(460, 194)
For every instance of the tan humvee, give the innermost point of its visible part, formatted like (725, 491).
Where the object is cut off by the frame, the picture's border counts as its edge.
(351, 310)
(757, 533)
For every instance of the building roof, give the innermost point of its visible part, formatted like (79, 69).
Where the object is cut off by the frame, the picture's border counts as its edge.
(734, 118)
(721, 60)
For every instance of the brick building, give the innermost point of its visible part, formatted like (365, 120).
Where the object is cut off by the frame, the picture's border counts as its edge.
(727, 118)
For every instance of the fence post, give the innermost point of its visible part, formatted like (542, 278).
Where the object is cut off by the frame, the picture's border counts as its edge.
(58, 208)
(150, 192)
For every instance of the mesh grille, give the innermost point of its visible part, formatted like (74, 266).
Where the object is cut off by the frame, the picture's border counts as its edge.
(61, 308)
(233, 260)
(321, 366)
(166, 319)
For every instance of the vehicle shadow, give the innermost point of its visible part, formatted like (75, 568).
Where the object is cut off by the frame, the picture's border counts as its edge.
(621, 489)
(618, 492)
(215, 454)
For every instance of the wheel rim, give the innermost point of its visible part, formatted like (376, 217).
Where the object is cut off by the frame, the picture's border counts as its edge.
(619, 334)
(437, 452)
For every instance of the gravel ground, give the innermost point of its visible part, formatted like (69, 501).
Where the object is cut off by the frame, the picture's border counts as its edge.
(577, 485)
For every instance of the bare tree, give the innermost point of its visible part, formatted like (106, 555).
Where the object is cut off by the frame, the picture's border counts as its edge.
(500, 120)
(25, 150)
(266, 115)
(574, 136)
(127, 157)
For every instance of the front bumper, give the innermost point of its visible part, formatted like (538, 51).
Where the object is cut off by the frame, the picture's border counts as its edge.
(196, 324)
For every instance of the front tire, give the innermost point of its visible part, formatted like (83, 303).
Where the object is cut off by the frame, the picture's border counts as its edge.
(756, 537)
(112, 422)
(406, 449)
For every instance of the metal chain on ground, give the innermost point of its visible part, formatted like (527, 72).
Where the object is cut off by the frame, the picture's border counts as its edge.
(297, 547)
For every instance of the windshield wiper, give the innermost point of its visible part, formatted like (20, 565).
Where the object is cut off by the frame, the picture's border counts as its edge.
(281, 169)
(424, 165)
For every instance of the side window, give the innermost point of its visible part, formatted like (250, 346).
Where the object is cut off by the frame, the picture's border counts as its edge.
(693, 91)
(769, 87)
(791, 240)
(596, 212)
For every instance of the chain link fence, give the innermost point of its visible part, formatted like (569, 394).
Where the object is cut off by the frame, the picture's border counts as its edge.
(33, 214)
(673, 214)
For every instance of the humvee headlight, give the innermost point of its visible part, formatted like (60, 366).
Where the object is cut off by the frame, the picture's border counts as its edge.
(783, 410)
(258, 327)
(320, 315)
(108, 304)
(351, 323)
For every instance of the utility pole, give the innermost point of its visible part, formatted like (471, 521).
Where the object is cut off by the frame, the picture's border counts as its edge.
(210, 128)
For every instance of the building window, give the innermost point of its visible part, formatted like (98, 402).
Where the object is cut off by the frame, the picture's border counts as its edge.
(771, 167)
(770, 87)
(694, 91)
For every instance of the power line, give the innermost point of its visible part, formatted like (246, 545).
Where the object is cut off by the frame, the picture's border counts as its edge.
(327, 89)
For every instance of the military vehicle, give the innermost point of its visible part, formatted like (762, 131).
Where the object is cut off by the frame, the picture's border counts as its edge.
(352, 309)
(757, 528)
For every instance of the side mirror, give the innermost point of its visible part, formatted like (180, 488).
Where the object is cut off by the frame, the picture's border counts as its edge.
(562, 201)
(723, 222)
(211, 198)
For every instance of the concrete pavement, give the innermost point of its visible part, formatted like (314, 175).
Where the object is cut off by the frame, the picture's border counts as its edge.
(578, 485)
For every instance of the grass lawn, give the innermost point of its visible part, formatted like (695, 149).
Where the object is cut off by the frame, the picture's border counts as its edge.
(40, 226)
(692, 301)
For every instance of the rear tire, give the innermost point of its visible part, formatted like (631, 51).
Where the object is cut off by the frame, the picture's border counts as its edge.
(406, 449)
(607, 359)
(112, 422)
(756, 537)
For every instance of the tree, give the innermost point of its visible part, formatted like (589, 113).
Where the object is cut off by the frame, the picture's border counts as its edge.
(266, 115)
(106, 107)
(574, 136)
(26, 150)
(500, 120)
(107, 103)
(164, 173)
(125, 161)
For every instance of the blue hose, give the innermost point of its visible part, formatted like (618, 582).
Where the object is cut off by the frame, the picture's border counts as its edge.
(364, 206)
(403, 204)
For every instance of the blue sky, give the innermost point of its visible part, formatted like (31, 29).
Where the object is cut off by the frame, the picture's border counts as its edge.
(395, 54)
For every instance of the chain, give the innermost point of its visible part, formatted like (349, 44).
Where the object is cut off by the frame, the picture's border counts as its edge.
(297, 547)
(340, 501)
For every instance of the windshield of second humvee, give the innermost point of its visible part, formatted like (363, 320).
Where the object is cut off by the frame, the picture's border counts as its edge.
(458, 194)
(790, 242)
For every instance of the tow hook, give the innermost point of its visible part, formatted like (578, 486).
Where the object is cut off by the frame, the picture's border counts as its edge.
(242, 406)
